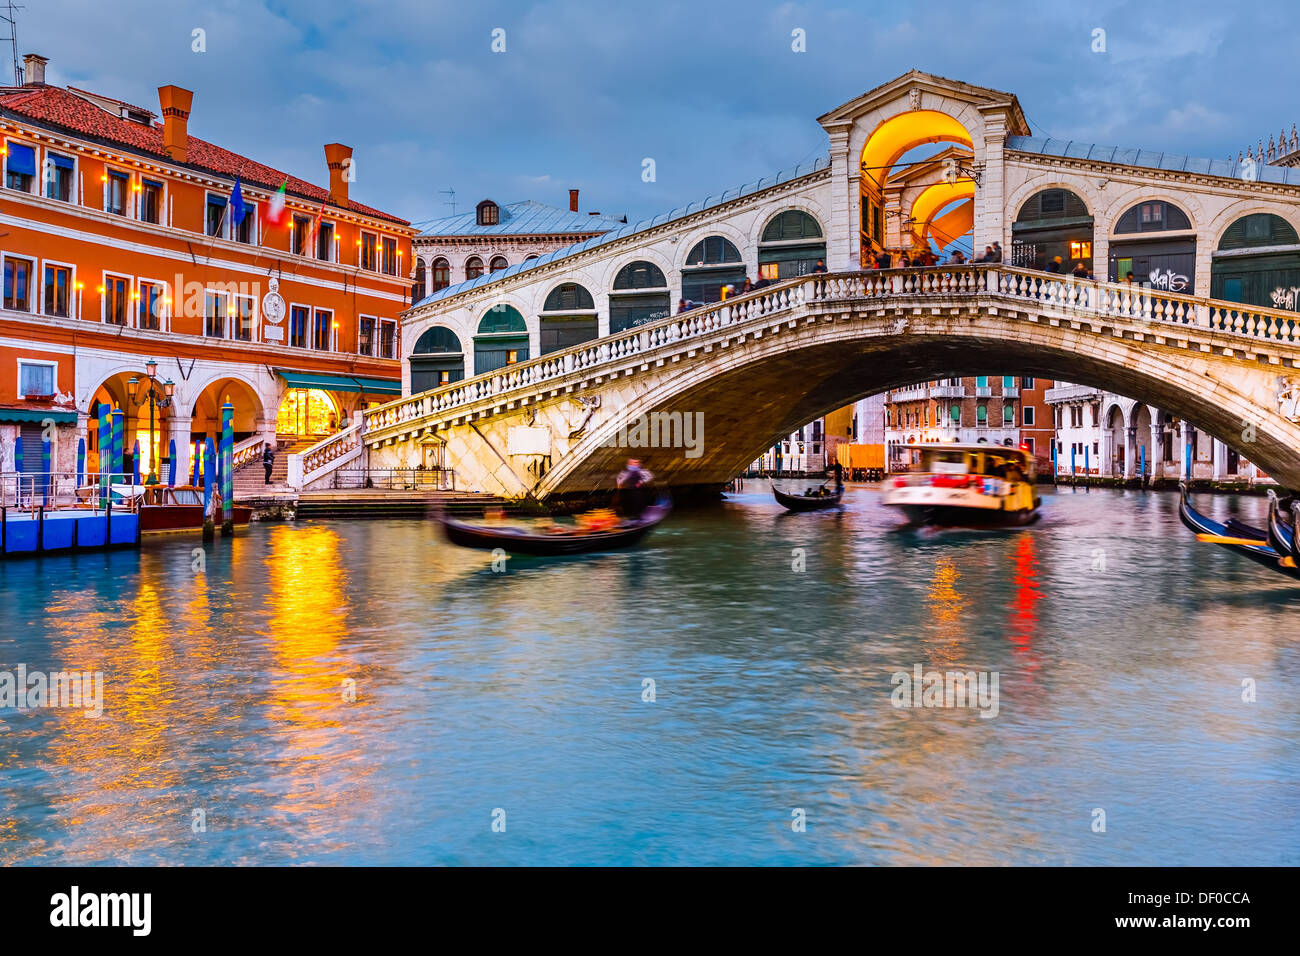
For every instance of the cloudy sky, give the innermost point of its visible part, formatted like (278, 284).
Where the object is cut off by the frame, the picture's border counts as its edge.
(710, 89)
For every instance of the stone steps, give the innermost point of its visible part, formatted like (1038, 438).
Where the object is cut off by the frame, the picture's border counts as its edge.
(381, 503)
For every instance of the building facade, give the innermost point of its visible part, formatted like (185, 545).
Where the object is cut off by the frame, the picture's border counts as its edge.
(1100, 434)
(997, 409)
(125, 241)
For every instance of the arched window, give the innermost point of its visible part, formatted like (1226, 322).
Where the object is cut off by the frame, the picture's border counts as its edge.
(568, 318)
(711, 264)
(473, 267)
(487, 213)
(1257, 263)
(436, 359)
(792, 245)
(640, 275)
(499, 263)
(502, 339)
(417, 289)
(530, 258)
(569, 297)
(640, 295)
(791, 224)
(1153, 216)
(441, 273)
(713, 251)
(1052, 222)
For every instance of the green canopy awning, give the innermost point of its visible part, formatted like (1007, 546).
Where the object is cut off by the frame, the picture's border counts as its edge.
(339, 383)
(37, 415)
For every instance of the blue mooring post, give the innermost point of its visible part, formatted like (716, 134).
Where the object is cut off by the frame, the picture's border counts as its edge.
(1074, 471)
(1054, 467)
(227, 469)
(209, 479)
(1087, 465)
(1187, 458)
(81, 462)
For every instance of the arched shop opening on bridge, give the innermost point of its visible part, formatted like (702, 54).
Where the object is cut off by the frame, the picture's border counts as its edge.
(307, 412)
(1155, 243)
(1051, 223)
(502, 339)
(437, 359)
(1258, 263)
(568, 318)
(640, 295)
(712, 263)
(881, 154)
(791, 245)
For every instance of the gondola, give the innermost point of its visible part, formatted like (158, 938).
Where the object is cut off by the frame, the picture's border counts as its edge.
(1281, 532)
(555, 542)
(1237, 536)
(807, 502)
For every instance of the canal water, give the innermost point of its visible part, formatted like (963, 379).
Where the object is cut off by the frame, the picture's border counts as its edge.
(508, 716)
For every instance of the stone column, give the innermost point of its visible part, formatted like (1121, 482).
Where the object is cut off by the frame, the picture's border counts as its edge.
(1156, 453)
(1130, 452)
(1220, 460)
(178, 430)
(1184, 438)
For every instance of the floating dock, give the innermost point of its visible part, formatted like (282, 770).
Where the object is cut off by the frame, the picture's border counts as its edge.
(30, 532)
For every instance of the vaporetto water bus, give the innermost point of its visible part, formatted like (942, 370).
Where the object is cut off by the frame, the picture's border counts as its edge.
(959, 484)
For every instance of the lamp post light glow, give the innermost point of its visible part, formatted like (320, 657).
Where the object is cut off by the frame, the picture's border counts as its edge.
(159, 396)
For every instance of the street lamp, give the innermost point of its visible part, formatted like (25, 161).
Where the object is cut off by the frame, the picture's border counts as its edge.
(149, 390)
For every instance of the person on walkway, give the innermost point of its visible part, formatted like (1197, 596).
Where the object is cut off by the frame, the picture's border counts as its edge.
(1080, 271)
(633, 489)
(682, 306)
(268, 462)
(820, 267)
(997, 252)
(746, 286)
(1054, 266)
(957, 258)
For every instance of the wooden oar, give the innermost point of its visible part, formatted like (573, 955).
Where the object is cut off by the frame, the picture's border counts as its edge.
(1223, 539)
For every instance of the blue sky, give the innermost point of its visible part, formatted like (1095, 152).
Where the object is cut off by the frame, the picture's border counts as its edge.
(710, 89)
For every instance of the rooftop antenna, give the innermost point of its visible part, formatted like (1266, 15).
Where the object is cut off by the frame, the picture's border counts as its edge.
(449, 191)
(12, 20)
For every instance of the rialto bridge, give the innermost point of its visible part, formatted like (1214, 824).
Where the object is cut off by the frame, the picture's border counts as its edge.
(525, 380)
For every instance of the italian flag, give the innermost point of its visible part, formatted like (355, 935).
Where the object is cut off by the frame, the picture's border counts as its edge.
(275, 212)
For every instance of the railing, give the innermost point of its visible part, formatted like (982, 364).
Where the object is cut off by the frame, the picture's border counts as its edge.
(395, 479)
(249, 451)
(327, 455)
(1063, 293)
(54, 490)
(948, 391)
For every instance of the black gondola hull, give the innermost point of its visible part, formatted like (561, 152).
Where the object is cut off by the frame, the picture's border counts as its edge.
(1260, 554)
(806, 502)
(520, 541)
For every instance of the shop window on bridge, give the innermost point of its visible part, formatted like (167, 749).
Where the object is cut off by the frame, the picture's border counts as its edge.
(568, 318)
(640, 296)
(711, 264)
(792, 245)
(437, 359)
(1051, 223)
(1258, 263)
(502, 339)
(1163, 262)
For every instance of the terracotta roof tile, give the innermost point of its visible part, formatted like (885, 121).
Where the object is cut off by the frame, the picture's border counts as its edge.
(57, 107)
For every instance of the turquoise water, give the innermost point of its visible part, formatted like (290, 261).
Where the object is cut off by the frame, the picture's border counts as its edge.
(1121, 645)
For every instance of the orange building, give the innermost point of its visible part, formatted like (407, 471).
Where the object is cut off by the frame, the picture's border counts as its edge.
(122, 241)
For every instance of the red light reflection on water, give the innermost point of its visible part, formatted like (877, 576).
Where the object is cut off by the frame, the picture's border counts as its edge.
(1023, 627)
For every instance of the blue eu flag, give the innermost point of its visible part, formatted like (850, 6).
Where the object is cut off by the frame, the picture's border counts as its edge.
(237, 207)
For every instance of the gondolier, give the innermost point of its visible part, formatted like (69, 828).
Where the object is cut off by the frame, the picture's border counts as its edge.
(633, 488)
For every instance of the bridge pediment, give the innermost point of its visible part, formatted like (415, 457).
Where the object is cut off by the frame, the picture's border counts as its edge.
(916, 90)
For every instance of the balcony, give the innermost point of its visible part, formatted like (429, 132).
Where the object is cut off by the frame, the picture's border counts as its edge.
(1072, 393)
(983, 391)
(909, 394)
(948, 391)
(1010, 392)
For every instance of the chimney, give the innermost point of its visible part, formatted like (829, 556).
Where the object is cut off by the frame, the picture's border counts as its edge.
(339, 159)
(175, 103)
(34, 69)
(573, 200)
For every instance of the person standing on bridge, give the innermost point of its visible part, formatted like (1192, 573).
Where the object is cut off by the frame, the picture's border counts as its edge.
(997, 252)
(1054, 266)
(820, 267)
(268, 462)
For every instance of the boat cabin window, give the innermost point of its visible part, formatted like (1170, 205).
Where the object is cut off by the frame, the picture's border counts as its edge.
(186, 496)
(1011, 463)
